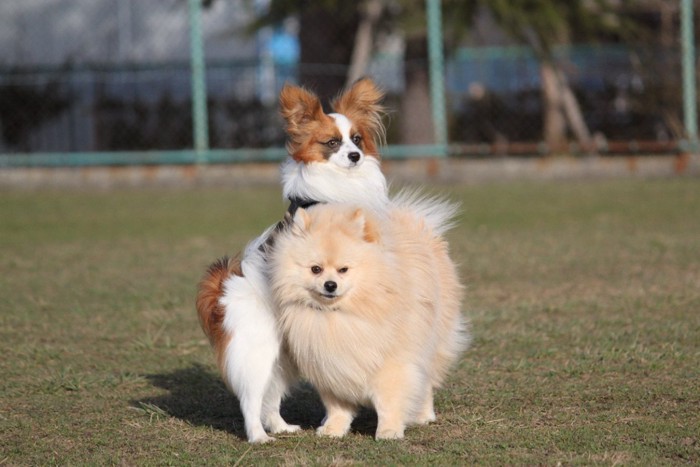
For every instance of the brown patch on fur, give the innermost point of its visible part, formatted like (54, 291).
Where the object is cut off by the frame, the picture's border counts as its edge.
(209, 309)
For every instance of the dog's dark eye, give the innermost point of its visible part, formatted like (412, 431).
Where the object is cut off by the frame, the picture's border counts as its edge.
(356, 139)
(333, 143)
(316, 270)
(342, 270)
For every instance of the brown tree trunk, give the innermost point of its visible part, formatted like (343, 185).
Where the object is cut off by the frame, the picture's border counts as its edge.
(416, 120)
(554, 123)
(574, 116)
(562, 111)
(371, 10)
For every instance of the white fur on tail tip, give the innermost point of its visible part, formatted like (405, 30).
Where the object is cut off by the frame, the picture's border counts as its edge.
(439, 213)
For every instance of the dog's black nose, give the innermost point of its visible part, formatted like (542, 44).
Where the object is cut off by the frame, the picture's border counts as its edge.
(354, 156)
(330, 286)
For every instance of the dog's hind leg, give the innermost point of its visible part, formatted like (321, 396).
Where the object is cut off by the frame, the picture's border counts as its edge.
(251, 405)
(252, 354)
(249, 376)
(271, 417)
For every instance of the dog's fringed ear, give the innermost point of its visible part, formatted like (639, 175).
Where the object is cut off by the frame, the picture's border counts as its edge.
(363, 96)
(361, 103)
(366, 225)
(301, 222)
(298, 106)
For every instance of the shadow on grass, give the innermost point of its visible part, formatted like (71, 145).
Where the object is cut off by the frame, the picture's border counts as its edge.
(199, 397)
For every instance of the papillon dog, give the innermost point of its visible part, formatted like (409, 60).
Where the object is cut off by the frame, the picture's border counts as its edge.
(332, 158)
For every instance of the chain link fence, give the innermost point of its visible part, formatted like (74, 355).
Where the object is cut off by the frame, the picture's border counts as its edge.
(626, 93)
(105, 76)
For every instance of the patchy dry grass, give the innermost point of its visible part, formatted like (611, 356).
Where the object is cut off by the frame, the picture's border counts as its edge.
(584, 300)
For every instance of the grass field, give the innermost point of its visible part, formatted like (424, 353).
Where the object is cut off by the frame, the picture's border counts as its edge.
(584, 300)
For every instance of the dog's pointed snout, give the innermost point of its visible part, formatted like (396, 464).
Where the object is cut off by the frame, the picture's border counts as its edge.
(330, 286)
(354, 156)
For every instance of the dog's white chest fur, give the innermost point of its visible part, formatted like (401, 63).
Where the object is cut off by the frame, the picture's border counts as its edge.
(364, 185)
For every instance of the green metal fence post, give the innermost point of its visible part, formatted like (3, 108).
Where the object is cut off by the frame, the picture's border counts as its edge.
(199, 84)
(690, 107)
(437, 73)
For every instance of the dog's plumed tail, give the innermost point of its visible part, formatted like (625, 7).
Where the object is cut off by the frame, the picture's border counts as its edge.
(439, 214)
(211, 289)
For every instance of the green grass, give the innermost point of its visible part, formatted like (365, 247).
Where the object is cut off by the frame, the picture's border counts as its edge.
(584, 300)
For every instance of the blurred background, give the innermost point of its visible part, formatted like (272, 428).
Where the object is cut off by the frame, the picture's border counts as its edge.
(197, 80)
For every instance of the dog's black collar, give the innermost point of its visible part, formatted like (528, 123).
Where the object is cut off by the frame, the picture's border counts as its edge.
(296, 203)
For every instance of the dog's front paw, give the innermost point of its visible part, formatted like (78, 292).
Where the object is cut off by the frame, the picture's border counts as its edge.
(331, 431)
(388, 433)
(285, 428)
(275, 424)
(260, 439)
(425, 418)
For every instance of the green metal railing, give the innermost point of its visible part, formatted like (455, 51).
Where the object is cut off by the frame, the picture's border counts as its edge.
(199, 82)
(690, 112)
(436, 66)
(201, 153)
(186, 156)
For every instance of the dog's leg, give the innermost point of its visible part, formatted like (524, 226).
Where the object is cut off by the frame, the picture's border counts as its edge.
(251, 384)
(251, 358)
(426, 412)
(394, 390)
(390, 417)
(250, 406)
(272, 419)
(249, 370)
(339, 416)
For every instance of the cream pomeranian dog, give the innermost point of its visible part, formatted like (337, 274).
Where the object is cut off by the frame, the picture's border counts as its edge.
(332, 158)
(369, 309)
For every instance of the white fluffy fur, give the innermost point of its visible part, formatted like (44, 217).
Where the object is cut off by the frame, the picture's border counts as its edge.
(363, 184)
(438, 213)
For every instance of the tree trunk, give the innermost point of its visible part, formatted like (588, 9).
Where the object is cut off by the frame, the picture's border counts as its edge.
(362, 51)
(562, 111)
(416, 120)
(574, 116)
(553, 109)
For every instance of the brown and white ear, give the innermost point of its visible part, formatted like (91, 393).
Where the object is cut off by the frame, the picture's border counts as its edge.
(361, 103)
(366, 226)
(298, 106)
(363, 96)
(301, 222)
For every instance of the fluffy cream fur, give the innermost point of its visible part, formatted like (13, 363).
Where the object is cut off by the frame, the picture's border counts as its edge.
(369, 309)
